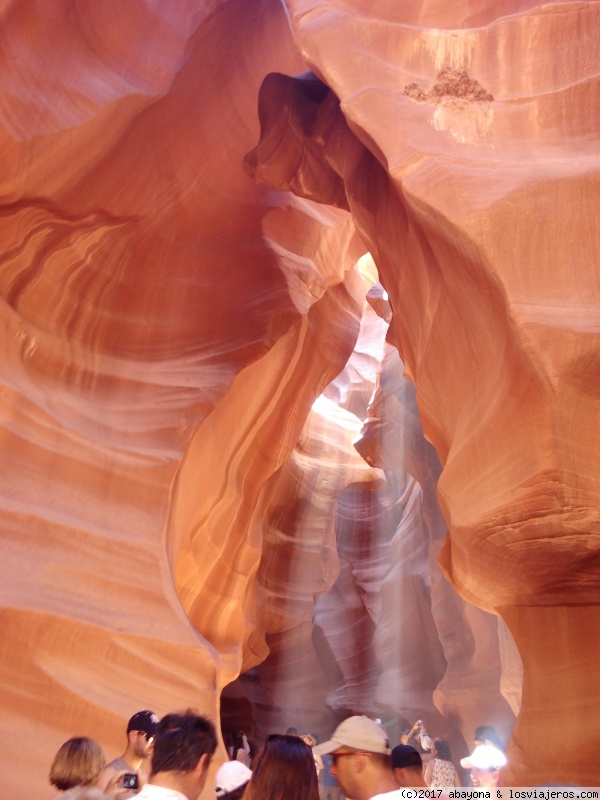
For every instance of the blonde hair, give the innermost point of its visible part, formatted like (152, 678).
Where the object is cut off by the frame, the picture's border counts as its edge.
(78, 762)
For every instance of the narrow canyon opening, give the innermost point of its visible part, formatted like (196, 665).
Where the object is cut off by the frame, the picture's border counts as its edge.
(359, 617)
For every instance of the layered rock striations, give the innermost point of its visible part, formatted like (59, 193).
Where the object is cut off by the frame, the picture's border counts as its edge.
(391, 638)
(136, 284)
(476, 197)
(177, 505)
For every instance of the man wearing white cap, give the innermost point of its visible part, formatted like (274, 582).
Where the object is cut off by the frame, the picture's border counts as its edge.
(484, 762)
(360, 752)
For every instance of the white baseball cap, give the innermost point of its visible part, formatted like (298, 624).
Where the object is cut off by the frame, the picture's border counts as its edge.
(230, 776)
(358, 733)
(485, 756)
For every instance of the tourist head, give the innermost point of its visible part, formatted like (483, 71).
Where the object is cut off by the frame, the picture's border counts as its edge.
(442, 749)
(284, 770)
(407, 765)
(79, 762)
(184, 744)
(404, 755)
(486, 734)
(484, 762)
(357, 733)
(360, 753)
(141, 730)
(231, 780)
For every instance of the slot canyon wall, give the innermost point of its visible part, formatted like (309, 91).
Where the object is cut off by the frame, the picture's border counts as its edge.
(233, 443)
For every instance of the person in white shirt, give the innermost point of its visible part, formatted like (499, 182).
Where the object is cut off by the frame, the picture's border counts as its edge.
(183, 747)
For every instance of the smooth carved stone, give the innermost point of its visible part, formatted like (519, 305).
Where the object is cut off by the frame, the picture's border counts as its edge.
(482, 674)
(168, 324)
(228, 526)
(391, 637)
(489, 263)
(297, 682)
(137, 282)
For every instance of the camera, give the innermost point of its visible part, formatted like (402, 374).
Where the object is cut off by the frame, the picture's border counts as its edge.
(129, 781)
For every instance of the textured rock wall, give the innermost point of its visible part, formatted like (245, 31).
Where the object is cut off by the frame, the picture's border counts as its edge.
(171, 501)
(471, 177)
(391, 638)
(132, 247)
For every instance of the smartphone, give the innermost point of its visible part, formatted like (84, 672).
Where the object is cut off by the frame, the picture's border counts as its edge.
(129, 780)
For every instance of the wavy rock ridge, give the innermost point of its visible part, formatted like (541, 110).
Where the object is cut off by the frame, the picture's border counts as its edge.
(177, 505)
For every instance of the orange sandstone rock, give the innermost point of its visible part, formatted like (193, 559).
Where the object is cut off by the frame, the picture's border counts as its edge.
(481, 219)
(168, 325)
(133, 250)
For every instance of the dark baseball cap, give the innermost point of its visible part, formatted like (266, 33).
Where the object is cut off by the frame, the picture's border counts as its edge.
(145, 721)
(403, 755)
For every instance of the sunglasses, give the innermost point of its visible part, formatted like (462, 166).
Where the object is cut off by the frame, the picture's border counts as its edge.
(335, 756)
(149, 739)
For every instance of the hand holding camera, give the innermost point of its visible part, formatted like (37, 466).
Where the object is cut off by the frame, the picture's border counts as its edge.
(130, 780)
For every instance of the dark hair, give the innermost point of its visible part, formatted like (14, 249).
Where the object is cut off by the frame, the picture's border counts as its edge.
(79, 762)
(405, 756)
(442, 749)
(181, 740)
(487, 732)
(285, 770)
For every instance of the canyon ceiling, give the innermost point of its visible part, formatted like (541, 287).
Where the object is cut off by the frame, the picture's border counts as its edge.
(300, 376)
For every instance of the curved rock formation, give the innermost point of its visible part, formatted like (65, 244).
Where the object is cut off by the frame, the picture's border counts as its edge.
(174, 494)
(391, 636)
(488, 253)
(133, 246)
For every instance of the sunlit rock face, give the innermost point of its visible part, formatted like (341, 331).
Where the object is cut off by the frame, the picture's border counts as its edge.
(391, 638)
(139, 277)
(478, 674)
(471, 175)
(177, 507)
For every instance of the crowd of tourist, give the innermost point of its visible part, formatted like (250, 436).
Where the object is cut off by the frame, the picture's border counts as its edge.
(169, 759)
